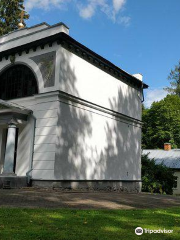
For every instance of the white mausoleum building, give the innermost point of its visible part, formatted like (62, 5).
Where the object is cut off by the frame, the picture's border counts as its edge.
(68, 117)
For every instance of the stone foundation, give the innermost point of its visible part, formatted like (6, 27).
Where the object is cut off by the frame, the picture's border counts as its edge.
(125, 186)
(8, 182)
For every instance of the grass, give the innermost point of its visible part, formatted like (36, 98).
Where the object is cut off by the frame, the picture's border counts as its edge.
(59, 224)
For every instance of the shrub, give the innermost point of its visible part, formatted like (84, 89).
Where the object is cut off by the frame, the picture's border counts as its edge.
(156, 178)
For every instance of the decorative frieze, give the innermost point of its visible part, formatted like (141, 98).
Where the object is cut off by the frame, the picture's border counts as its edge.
(46, 64)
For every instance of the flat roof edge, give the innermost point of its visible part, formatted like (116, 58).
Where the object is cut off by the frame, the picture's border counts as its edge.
(34, 26)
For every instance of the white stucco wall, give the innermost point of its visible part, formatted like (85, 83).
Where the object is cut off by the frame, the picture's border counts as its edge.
(92, 145)
(45, 116)
(24, 149)
(87, 144)
(82, 79)
(177, 190)
(74, 142)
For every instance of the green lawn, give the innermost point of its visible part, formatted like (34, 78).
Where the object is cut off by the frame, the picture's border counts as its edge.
(60, 224)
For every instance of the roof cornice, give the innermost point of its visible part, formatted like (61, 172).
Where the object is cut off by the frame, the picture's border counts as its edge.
(77, 48)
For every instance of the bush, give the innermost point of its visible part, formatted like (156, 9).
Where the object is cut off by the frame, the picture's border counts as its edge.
(156, 178)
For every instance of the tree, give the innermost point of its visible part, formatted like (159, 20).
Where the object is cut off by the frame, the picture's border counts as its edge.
(174, 78)
(161, 123)
(10, 15)
(156, 178)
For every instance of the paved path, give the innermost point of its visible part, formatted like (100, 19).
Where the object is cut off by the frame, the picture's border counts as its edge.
(41, 198)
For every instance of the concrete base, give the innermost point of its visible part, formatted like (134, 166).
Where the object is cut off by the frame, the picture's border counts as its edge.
(9, 182)
(126, 186)
(8, 175)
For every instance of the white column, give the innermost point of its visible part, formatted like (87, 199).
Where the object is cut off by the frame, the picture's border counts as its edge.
(10, 149)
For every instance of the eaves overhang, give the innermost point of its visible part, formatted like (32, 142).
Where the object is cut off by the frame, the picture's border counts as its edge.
(6, 107)
(78, 49)
(13, 113)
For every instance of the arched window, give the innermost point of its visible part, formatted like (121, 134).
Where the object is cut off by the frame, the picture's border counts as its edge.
(16, 82)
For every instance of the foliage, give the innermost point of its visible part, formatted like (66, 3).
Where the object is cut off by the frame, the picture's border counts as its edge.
(10, 15)
(174, 78)
(161, 123)
(156, 178)
(61, 224)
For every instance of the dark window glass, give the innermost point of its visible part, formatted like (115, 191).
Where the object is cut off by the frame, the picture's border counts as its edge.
(16, 82)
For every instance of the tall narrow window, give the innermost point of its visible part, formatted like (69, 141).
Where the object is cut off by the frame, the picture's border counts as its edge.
(16, 82)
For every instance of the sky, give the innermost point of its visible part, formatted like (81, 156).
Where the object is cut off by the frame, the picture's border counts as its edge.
(141, 36)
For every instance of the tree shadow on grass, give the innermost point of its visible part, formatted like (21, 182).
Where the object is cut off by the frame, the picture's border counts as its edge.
(74, 224)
